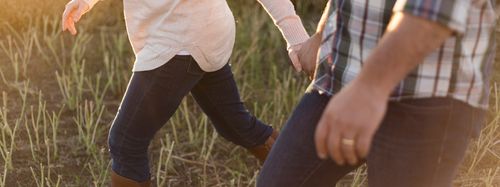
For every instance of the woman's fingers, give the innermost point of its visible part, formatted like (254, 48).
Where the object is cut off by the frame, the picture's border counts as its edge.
(71, 27)
(68, 19)
(295, 61)
(65, 18)
(294, 57)
(69, 24)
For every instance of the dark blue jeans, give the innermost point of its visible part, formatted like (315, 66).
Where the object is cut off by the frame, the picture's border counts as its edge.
(153, 96)
(420, 143)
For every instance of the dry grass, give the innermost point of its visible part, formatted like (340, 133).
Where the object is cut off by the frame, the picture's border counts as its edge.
(59, 94)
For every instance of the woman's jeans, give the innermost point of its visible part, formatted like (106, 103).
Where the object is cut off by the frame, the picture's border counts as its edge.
(421, 143)
(153, 96)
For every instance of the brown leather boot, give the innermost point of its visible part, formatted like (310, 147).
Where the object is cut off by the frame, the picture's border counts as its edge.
(119, 181)
(261, 151)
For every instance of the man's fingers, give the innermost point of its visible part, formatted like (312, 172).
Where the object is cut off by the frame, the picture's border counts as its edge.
(334, 146)
(348, 148)
(320, 137)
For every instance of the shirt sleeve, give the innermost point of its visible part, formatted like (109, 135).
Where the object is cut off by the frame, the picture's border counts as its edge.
(449, 13)
(283, 14)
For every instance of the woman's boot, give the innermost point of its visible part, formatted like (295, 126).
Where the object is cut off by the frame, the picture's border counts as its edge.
(119, 181)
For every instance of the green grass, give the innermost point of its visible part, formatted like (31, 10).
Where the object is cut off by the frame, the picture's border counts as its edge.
(59, 95)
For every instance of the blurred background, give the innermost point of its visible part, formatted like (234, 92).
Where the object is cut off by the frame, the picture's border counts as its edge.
(59, 94)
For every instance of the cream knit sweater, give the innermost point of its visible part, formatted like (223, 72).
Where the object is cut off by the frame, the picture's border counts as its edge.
(159, 29)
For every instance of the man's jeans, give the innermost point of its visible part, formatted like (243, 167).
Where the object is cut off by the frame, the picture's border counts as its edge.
(153, 96)
(420, 143)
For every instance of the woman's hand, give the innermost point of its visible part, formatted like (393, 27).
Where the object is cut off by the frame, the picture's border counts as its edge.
(304, 55)
(308, 54)
(294, 57)
(72, 14)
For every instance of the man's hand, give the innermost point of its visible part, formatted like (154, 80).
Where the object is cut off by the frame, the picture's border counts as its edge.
(72, 14)
(346, 128)
(308, 54)
(353, 115)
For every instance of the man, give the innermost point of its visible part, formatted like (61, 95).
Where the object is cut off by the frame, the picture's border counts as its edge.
(400, 85)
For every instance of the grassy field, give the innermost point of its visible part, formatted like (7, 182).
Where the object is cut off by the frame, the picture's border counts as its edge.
(58, 95)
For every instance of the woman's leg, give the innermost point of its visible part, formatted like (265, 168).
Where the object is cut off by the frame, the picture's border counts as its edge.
(218, 96)
(293, 160)
(151, 99)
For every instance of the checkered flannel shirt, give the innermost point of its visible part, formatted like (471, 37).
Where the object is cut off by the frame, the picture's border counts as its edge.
(459, 69)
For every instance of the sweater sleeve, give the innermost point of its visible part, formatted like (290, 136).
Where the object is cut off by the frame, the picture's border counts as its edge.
(91, 3)
(283, 14)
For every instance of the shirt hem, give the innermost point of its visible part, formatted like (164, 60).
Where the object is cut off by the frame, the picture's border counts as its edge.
(321, 90)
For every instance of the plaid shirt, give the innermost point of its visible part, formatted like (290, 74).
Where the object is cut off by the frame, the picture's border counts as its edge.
(459, 69)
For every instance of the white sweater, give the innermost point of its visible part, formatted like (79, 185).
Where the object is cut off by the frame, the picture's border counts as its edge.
(159, 29)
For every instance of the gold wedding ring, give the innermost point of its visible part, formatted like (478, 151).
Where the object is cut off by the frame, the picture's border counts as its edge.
(348, 142)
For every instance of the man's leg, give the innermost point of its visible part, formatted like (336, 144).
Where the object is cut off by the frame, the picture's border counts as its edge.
(218, 96)
(421, 142)
(293, 160)
(150, 100)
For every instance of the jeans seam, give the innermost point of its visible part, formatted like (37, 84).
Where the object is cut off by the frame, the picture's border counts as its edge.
(472, 124)
(311, 172)
(127, 126)
(225, 119)
(317, 165)
(442, 146)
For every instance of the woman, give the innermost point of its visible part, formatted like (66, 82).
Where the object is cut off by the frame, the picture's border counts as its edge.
(183, 46)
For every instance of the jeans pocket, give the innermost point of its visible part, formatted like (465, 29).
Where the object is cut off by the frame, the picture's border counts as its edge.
(426, 105)
(411, 120)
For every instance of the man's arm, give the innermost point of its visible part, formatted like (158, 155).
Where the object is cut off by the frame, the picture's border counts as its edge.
(408, 40)
(324, 18)
(356, 112)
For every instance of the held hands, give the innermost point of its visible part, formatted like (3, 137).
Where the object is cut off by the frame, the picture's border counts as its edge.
(72, 14)
(348, 124)
(304, 55)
